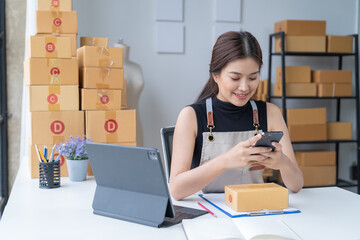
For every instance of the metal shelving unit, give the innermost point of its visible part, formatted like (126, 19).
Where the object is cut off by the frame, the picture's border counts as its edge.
(284, 98)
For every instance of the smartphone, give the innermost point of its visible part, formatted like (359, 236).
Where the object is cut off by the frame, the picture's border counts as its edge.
(267, 138)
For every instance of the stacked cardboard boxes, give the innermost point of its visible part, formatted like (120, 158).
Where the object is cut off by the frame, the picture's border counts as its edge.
(261, 91)
(52, 77)
(333, 83)
(301, 36)
(102, 85)
(318, 167)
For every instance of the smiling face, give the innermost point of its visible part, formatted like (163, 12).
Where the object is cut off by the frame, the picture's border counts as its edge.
(238, 81)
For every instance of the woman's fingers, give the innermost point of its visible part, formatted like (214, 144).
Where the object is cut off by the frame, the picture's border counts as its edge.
(251, 141)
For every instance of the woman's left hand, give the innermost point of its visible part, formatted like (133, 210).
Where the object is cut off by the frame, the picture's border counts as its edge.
(275, 159)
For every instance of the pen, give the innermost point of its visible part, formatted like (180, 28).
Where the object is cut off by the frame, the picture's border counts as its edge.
(37, 151)
(207, 209)
(52, 154)
(58, 157)
(45, 152)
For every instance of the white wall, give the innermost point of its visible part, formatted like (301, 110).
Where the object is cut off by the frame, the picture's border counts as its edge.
(173, 81)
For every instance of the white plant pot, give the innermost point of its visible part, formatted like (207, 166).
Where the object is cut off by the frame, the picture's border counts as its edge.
(77, 169)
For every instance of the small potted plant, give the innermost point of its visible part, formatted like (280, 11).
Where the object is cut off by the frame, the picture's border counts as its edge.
(76, 157)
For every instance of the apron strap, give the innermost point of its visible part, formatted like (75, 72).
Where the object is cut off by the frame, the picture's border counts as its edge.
(255, 116)
(210, 118)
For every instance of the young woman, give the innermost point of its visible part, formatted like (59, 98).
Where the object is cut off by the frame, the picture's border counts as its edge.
(214, 137)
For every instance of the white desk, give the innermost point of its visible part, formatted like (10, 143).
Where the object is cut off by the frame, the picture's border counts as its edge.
(66, 213)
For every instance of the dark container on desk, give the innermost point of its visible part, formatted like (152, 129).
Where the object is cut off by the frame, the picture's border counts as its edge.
(49, 174)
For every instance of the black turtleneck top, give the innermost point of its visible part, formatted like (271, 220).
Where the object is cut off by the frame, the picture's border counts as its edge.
(227, 118)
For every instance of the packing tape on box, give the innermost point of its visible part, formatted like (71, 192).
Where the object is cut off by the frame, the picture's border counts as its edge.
(54, 75)
(105, 62)
(104, 74)
(54, 116)
(102, 100)
(111, 136)
(53, 98)
(50, 47)
(57, 22)
(333, 90)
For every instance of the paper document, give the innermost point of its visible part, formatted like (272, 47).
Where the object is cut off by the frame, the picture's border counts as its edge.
(218, 201)
(239, 228)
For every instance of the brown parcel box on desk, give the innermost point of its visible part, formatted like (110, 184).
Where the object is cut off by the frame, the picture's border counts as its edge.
(339, 44)
(301, 27)
(315, 158)
(331, 76)
(302, 44)
(51, 71)
(100, 99)
(255, 197)
(49, 47)
(306, 116)
(93, 56)
(334, 89)
(307, 132)
(105, 78)
(70, 35)
(56, 127)
(339, 130)
(94, 41)
(54, 5)
(319, 175)
(294, 74)
(54, 98)
(296, 89)
(111, 126)
(56, 22)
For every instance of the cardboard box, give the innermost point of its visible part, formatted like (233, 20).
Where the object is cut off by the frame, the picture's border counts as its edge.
(111, 126)
(105, 57)
(301, 27)
(331, 76)
(316, 158)
(51, 71)
(70, 35)
(294, 74)
(339, 44)
(302, 44)
(334, 90)
(306, 116)
(339, 130)
(319, 175)
(54, 5)
(94, 41)
(54, 98)
(124, 96)
(105, 78)
(308, 132)
(100, 99)
(49, 47)
(56, 127)
(56, 22)
(296, 89)
(255, 197)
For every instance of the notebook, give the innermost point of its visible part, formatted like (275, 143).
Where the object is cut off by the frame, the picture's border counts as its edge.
(131, 186)
(218, 200)
(238, 228)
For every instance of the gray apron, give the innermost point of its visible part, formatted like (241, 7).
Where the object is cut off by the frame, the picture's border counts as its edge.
(216, 143)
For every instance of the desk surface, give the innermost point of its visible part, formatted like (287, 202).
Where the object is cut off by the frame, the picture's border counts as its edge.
(66, 213)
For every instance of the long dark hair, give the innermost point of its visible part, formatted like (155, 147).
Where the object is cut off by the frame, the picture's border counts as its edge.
(229, 46)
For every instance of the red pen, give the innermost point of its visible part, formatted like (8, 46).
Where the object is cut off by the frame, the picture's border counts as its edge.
(207, 209)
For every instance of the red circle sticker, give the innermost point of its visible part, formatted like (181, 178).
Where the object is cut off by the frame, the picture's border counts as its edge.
(50, 47)
(52, 99)
(55, 3)
(230, 198)
(104, 99)
(55, 71)
(62, 158)
(57, 127)
(57, 22)
(111, 126)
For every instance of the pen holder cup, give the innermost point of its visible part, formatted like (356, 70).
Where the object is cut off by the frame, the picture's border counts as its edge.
(49, 174)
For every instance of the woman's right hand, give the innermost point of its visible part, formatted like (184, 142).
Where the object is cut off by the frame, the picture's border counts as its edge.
(244, 154)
